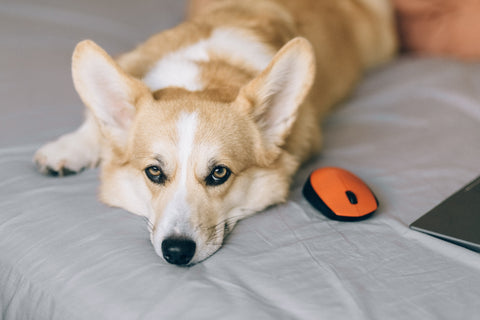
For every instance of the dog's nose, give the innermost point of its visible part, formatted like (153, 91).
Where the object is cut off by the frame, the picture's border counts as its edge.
(178, 251)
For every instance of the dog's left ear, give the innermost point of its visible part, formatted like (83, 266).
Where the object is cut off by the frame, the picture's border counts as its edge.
(108, 91)
(272, 99)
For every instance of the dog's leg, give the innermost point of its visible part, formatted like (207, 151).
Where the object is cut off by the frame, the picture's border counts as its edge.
(72, 152)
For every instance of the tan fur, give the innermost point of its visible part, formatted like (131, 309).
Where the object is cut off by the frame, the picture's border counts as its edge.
(348, 37)
(240, 120)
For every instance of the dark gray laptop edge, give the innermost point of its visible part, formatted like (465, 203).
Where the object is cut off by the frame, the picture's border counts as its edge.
(457, 219)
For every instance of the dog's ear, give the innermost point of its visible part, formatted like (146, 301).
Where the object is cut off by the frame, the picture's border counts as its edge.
(106, 90)
(272, 98)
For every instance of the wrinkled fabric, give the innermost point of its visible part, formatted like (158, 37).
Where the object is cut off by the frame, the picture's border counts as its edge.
(411, 130)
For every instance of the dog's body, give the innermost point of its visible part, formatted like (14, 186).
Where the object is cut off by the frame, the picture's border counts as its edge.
(205, 124)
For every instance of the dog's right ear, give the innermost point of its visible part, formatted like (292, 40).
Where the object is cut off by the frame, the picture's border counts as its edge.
(108, 91)
(272, 99)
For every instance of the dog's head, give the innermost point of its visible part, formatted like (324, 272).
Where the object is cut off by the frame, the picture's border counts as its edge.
(194, 163)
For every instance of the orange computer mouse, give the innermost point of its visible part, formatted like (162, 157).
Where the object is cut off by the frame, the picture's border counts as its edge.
(339, 194)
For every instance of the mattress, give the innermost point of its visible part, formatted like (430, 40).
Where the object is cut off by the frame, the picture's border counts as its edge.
(411, 130)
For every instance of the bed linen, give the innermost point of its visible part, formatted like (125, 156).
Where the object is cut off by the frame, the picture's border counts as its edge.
(411, 130)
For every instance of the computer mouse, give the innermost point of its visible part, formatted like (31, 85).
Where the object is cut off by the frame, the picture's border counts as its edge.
(339, 194)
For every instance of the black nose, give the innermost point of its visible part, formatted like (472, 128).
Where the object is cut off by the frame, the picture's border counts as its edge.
(178, 251)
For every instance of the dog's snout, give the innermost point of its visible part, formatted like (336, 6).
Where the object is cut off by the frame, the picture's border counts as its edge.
(179, 251)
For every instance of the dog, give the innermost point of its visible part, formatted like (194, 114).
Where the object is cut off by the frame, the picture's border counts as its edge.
(205, 124)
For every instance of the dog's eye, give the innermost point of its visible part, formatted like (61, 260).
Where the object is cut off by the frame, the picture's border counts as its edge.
(218, 175)
(155, 174)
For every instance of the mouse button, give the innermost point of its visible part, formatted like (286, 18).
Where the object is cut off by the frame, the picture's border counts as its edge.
(370, 204)
(351, 197)
(325, 182)
(367, 202)
(365, 199)
(331, 188)
(357, 186)
(340, 204)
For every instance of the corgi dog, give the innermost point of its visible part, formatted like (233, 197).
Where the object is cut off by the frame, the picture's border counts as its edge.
(205, 124)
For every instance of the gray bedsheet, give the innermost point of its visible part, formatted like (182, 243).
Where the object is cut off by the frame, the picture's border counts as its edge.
(411, 130)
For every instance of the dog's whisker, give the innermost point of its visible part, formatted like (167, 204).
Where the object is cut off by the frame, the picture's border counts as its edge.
(222, 222)
(217, 233)
(150, 225)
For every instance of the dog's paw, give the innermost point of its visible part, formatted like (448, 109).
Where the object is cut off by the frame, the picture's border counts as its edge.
(68, 155)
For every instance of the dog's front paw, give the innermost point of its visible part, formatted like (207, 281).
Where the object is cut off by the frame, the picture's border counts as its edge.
(68, 155)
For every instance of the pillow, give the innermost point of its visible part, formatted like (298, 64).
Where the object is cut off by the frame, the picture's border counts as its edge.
(433, 27)
(440, 27)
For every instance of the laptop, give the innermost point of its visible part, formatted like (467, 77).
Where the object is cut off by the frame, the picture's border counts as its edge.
(457, 219)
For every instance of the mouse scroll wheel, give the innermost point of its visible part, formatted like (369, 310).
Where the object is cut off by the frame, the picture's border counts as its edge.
(351, 197)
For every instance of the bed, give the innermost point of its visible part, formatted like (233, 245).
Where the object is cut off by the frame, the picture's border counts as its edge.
(411, 130)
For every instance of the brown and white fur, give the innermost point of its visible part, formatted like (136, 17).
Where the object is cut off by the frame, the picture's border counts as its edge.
(205, 124)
